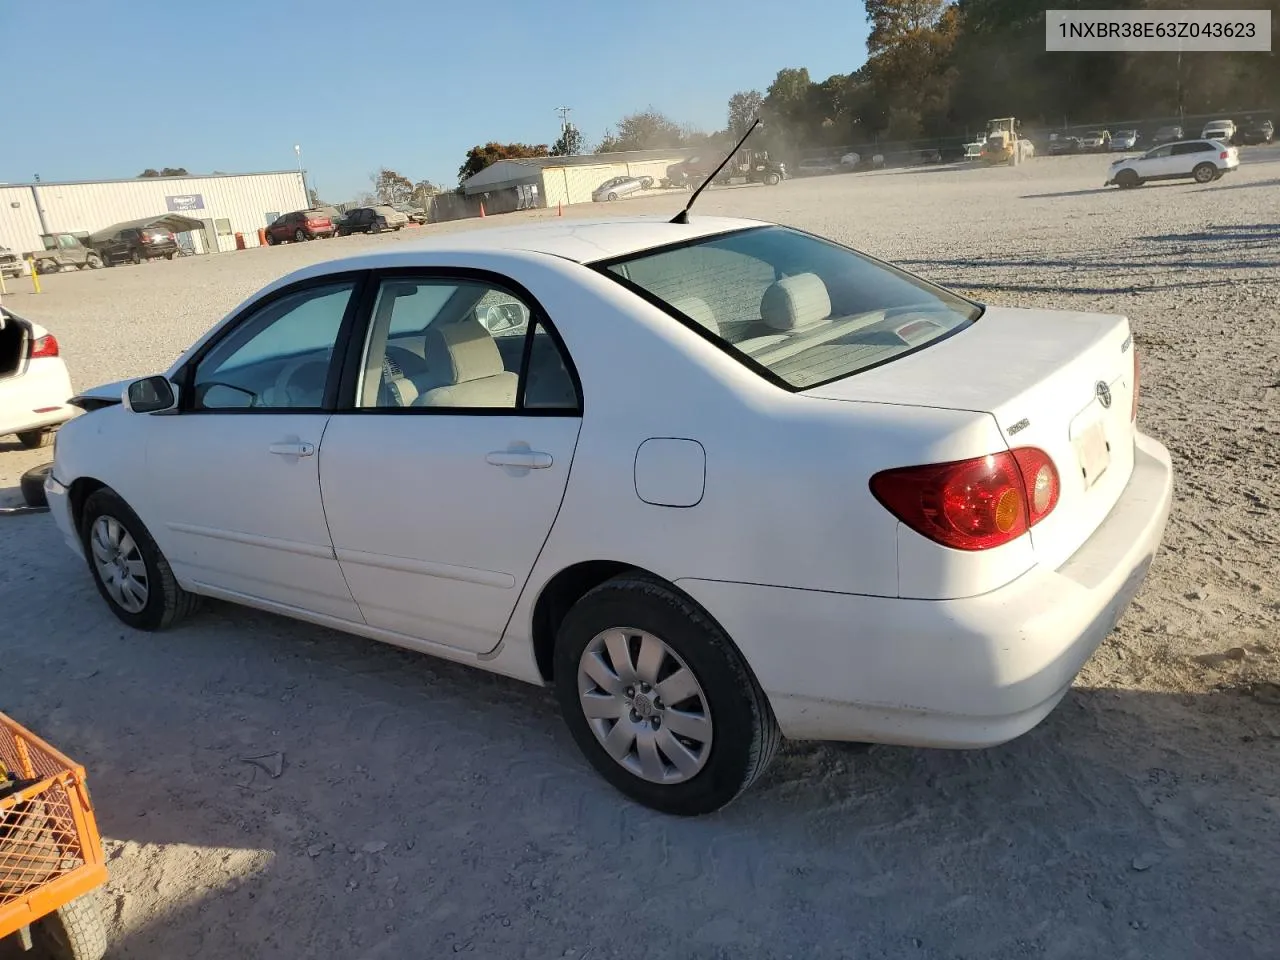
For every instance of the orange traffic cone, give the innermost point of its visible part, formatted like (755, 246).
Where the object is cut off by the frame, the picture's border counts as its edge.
(482, 213)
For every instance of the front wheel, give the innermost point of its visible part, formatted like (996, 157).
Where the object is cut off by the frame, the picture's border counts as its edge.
(1127, 179)
(1204, 172)
(612, 196)
(48, 266)
(74, 931)
(94, 261)
(771, 179)
(659, 699)
(131, 573)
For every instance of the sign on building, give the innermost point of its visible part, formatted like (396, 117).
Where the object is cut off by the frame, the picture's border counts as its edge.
(184, 201)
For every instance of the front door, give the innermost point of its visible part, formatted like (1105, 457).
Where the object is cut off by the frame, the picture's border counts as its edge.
(236, 488)
(442, 484)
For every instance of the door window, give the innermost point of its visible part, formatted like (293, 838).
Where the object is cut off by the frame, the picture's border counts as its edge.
(1184, 148)
(1158, 153)
(278, 357)
(460, 345)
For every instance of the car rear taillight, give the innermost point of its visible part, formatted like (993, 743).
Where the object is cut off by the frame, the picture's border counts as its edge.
(972, 504)
(1225, 155)
(1133, 414)
(46, 346)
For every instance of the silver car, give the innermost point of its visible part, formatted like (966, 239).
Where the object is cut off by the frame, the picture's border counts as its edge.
(1124, 140)
(617, 187)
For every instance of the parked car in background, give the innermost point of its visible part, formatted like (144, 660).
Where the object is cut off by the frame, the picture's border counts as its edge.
(814, 166)
(1168, 134)
(299, 226)
(1096, 141)
(1124, 140)
(35, 390)
(1059, 146)
(1221, 130)
(378, 219)
(412, 214)
(1201, 160)
(10, 263)
(135, 244)
(616, 187)
(850, 161)
(978, 504)
(1257, 132)
(64, 250)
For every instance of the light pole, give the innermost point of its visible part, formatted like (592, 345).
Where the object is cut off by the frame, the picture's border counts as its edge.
(297, 148)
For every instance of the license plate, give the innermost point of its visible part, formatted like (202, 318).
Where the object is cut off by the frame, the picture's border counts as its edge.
(1093, 453)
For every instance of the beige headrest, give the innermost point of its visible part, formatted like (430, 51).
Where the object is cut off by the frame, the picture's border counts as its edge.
(698, 310)
(795, 303)
(468, 349)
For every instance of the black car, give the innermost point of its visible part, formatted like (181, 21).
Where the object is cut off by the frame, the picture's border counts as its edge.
(371, 220)
(1167, 135)
(1062, 145)
(1254, 132)
(135, 244)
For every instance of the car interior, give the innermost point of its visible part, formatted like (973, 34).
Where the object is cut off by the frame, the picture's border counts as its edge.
(430, 345)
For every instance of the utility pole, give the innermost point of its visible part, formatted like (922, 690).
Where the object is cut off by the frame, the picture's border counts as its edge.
(564, 117)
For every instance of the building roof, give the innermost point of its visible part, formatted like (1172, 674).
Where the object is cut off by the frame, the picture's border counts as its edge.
(189, 176)
(503, 173)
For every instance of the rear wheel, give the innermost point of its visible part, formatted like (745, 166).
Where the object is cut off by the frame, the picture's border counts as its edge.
(74, 931)
(94, 261)
(35, 439)
(771, 179)
(375, 227)
(659, 699)
(130, 571)
(612, 196)
(1204, 172)
(299, 235)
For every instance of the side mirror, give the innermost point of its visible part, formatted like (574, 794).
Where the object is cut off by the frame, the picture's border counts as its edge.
(151, 395)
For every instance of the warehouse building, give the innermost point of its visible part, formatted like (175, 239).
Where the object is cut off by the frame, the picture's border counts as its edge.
(557, 180)
(204, 212)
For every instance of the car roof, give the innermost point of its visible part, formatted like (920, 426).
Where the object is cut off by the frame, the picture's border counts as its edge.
(583, 241)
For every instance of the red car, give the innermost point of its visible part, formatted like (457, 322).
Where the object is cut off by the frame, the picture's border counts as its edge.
(300, 225)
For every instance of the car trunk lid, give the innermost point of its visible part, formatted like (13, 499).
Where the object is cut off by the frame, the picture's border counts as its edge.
(1060, 381)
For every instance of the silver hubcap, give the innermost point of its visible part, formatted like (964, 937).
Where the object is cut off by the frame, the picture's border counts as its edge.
(644, 705)
(119, 563)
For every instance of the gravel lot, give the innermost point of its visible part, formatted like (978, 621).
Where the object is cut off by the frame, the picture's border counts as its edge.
(425, 809)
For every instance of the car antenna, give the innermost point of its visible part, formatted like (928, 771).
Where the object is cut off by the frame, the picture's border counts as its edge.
(683, 215)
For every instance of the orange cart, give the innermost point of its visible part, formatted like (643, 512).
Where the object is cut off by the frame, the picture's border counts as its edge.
(50, 852)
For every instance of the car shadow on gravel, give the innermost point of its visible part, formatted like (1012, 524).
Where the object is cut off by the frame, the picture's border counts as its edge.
(411, 807)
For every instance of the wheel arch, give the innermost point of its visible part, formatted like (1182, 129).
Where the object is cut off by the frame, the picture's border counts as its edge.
(80, 491)
(570, 585)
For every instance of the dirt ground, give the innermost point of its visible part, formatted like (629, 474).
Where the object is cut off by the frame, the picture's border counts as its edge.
(424, 809)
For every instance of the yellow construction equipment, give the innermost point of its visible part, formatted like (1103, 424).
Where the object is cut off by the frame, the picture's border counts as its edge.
(1004, 144)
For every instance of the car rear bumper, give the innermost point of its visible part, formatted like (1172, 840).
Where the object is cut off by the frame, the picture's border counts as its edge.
(953, 673)
(37, 398)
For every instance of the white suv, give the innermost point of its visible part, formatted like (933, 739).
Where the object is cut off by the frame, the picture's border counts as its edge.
(1200, 160)
(1224, 130)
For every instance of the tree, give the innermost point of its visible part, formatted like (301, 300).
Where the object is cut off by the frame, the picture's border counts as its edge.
(570, 144)
(313, 197)
(391, 187)
(892, 21)
(166, 172)
(479, 157)
(744, 107)
(646, 130)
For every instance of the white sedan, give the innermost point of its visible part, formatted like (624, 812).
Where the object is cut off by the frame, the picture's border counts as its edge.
(715, 482)
(35, 389)
(1201, 160)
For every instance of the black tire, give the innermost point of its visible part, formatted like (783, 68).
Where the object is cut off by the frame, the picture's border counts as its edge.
(167, 603)
(271, 240)
(612, 196)
(1127, 179)
(93, 261)
(771, 180)
(375, 227)
(1204, 172)
(35, 439)
(170, 256)
(75, 931)
(299, 236)
(745, 732)
(135, 257)
(32, 485)
(48, 266)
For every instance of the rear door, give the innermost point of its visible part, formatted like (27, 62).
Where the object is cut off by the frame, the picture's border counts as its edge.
(1187, 155)
(443, 475)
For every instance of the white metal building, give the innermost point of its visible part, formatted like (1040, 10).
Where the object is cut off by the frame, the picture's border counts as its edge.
(225, 204)
(572, 179)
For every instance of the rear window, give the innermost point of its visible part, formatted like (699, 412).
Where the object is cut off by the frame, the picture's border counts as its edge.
(802, 310)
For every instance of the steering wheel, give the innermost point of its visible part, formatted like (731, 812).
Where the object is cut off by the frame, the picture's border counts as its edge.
(283, 393)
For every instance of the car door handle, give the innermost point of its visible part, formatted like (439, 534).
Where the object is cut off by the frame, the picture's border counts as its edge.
(528, 459)
(292, 449)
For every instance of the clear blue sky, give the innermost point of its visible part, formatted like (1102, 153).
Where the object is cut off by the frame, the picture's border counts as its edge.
(233, 85)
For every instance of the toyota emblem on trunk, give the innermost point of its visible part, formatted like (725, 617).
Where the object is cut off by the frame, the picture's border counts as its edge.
(1104, 394)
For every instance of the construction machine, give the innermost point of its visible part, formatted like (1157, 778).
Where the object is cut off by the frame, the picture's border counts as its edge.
(1005, 144)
